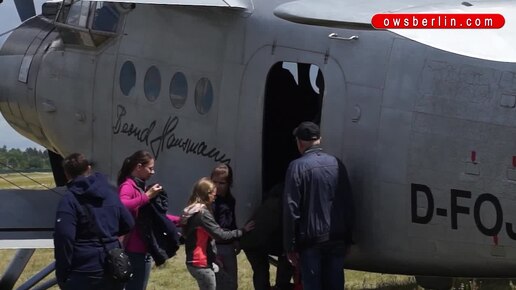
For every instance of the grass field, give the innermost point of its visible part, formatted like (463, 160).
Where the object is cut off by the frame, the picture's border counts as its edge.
(173, 275)
(34, 180)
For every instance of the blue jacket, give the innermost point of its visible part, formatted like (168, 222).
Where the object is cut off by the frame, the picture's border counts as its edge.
(77, 246)
(317, 202)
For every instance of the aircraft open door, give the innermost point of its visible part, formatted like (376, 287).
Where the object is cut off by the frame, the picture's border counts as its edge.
(293, 94)
(288, 86)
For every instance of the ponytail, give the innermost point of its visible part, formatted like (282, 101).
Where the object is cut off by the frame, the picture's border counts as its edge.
(125, 171)
(139, 157)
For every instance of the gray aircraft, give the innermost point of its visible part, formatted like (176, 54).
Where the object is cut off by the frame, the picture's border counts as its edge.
(425, 120)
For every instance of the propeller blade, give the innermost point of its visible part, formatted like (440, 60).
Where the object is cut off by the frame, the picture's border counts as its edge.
(25, 9)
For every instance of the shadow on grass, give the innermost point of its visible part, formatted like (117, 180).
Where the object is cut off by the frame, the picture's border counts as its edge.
(459, 284)
(483, 284)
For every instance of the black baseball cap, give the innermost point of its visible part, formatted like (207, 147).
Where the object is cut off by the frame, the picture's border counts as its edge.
(307, 131)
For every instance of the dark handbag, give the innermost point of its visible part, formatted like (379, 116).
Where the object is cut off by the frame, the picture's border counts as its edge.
(117, 264)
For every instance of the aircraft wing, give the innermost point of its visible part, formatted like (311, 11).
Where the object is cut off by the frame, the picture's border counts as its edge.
(490, 44)
(341, 13)
(239, 4)
(27, 217)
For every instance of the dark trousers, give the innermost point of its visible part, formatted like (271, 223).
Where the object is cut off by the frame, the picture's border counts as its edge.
(259, 261)
(141, 264)
(87, 281)
(322, 268)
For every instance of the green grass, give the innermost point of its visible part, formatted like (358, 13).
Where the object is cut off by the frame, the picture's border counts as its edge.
(173, 275)
(26, 180)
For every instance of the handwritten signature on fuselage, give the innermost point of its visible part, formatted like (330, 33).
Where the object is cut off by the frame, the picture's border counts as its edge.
(166, 139)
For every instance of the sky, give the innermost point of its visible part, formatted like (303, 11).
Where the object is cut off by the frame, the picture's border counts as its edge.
(8, 20)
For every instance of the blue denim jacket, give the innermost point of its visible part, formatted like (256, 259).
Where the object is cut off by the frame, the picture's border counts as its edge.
(317, 202)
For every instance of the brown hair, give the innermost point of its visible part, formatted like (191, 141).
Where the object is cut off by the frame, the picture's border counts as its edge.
(227, 172)
(139, 157)
(75, 165)
(201, 192)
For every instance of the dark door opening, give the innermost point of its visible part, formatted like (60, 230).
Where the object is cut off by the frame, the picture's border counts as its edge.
(293, 94)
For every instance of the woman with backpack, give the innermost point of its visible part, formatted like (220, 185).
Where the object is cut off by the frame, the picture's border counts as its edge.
(89, 220)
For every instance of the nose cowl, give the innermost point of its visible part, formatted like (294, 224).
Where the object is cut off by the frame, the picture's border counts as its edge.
(20, 57)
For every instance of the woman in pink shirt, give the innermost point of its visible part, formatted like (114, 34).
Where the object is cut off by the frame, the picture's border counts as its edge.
(136, 169)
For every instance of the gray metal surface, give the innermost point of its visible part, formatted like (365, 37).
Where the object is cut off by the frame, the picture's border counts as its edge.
(30, 283)
(15, 268)
(29, 215)
(241, 4)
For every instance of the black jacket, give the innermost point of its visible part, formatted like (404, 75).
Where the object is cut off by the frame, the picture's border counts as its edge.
(158, 232)
(267, 235)
(318, 202)
(224, 214)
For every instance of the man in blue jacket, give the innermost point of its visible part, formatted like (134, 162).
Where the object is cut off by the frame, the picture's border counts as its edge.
(317, 212)
(80, 255)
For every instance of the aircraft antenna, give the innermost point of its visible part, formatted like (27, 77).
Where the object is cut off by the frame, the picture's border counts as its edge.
(10, 182)
(4, 33)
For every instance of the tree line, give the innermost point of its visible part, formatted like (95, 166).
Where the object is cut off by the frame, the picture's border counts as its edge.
(30, 159)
